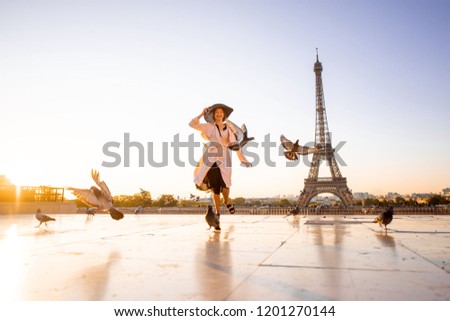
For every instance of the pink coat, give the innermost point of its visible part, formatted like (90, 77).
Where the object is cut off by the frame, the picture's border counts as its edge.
(216, 151)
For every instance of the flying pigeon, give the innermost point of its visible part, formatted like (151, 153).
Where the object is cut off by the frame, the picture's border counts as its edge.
(241, 135)
(42, 218)
(292, 149)
(99, 199)
(212, 219)
(195, 198)
(385, 218)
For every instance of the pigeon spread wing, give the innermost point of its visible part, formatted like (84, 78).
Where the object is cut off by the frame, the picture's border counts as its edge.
(238, 133)
(246, 139)
(101, 184)
(287, 144)
(87, 196)
(244, 128)
(290, 155)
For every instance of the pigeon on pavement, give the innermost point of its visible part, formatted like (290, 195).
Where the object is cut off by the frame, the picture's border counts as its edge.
(385, 218)
(212, 219)
(90, 211)
(42, 218)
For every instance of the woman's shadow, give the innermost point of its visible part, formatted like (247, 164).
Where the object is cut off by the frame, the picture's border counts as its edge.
(215, 268)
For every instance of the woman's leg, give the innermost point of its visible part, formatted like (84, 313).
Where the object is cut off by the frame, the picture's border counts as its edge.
(225, 194)
(214, 179)
(216, 199)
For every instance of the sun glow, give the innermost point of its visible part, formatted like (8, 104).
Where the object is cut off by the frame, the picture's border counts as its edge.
(18, 172)
(18, 190)
(20, 178)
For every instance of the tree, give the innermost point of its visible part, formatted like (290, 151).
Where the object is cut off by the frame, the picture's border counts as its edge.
(284, 202)
(166, 200)
(126, 200)
(146, 198)
(143, 199)
(411, 202)
(189, 203)
(437, 200)
(255, 203)
(238, 201)
(400, 201)
(371, 202)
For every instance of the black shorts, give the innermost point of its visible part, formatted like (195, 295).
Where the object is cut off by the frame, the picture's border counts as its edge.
(215, 180)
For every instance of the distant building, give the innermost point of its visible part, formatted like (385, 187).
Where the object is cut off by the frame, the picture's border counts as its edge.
(328, 199)
(5, 182)
(41, 194)
(392, 195)
(363, 195)
(7, 190)
(421, 195)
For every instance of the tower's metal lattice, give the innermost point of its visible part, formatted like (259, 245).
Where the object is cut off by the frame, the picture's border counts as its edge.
(314, 185)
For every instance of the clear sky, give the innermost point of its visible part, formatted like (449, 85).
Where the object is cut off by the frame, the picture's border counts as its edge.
(75, 75)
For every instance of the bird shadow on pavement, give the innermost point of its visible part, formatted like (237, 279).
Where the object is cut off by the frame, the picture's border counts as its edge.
(386, 239)
(43, 232)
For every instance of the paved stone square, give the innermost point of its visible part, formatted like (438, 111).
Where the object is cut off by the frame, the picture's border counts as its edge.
(254, 257)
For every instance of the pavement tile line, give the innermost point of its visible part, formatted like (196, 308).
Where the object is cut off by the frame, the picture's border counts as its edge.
(258, 266)
(440, 268)
(338, 268)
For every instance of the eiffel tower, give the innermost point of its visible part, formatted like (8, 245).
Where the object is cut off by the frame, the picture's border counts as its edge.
(314, 185)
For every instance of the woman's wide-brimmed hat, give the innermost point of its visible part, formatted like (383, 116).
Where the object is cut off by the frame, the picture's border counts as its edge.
(209, 116)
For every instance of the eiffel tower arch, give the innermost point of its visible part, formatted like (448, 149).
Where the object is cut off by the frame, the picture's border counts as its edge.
(314, 185)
